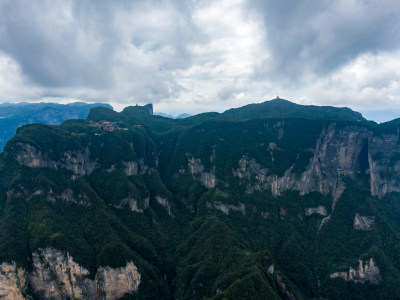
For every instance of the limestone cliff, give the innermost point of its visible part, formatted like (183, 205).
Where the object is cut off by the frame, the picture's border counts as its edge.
(226, 208)
(320, 210)
(338, 152)
(55, 275)
(12, 282)
(79, 162)
(384, 164)
(366, 271)
(363, 222)
(196, 168)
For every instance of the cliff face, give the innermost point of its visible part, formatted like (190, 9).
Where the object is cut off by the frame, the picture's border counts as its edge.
(384, 164)
(79, 162)
(12, 282)
(337, 153)
(56, 275)
(366, 271)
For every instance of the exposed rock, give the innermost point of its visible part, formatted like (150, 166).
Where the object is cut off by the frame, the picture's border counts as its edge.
(36, 193)
(324, 221)
(131, 168)
(133, 204)
(143, 168)
(271, 269)
(265, 215)
(384, 164)
(114, 283)
(55, 275)
(208, 179)
(164, 202)
(338, 152)
(195, 166)
(363, 222)
(12, 282)
(31, 157)
(111, 169)
(320, 210)
(68, 196)
(366, 271)
(226, 208)
(78, 162)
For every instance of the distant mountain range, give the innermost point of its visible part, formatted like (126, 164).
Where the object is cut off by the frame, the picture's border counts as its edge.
(13, 116)
(181, 116)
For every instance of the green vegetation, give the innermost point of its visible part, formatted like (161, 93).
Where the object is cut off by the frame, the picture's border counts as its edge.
(190, 248)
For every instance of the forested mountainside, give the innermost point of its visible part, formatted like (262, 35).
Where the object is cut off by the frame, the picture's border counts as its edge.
(13, 116)
(268, 201)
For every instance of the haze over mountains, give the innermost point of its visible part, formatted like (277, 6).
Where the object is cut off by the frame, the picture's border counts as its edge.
(14, 115)
(268, 201)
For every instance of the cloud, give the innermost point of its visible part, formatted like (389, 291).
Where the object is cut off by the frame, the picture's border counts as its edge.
(318, 37)
(201, 55)
(93, 48)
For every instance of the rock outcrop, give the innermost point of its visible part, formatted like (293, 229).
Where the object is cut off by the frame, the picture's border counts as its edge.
(384, 164)
(131, 168)
(114, 283)
(134, 204)
(196, 168)
(56, 275)
(366, 271)
(12, 282)
(363, 222)
(320, 210)
(164, 203)
(226, 208)
(338, 152)
(78, 162)
(68, 196)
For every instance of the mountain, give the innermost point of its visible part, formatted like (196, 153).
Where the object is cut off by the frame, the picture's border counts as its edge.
(13, 116)
(275, 201)
(280, 108)
(181, 116)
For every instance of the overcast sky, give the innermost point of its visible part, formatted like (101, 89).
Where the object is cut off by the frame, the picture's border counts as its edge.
(192, 56)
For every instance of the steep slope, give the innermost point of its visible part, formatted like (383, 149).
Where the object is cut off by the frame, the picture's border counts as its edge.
(13, 116)
(139, 206)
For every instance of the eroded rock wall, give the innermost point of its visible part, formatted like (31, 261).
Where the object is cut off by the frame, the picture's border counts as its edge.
(56, 275)
(366, 271)
(79, 162)
(338, 152)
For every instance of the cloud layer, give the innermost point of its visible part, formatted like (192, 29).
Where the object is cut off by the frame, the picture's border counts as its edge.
(202, 55)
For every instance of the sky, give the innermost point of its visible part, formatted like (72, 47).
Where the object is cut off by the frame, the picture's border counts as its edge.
(195, 56)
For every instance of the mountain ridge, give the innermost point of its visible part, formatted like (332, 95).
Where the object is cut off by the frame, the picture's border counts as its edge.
(217, 206)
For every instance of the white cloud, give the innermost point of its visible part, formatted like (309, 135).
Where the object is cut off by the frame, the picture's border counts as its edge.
(13, 84)
(201, 55)
(370, 82)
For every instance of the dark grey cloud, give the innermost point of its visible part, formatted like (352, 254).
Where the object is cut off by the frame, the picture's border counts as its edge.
(91, 44)
(321, 36)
